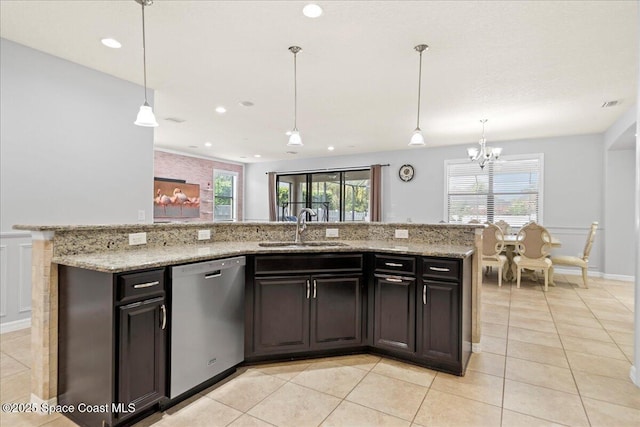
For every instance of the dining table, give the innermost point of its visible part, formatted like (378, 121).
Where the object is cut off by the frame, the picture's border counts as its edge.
(510, 240)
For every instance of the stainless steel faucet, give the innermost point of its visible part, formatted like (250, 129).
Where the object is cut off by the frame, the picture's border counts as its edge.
(302, 222)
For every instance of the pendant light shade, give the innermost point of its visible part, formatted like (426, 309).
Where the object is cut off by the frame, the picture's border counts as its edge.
(295, 140)
(417, 139)
(145, 115)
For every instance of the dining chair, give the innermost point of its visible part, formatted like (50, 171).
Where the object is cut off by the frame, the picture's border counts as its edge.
(504, 226)
(533, 244)
(581, 261)
(492, 247)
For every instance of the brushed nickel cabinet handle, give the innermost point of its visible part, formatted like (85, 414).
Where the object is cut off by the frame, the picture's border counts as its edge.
(308, 288)
(146, 285)
(164, 316)
(438, 269)
(393, 264)
(393, 279)
(315, 285)
(424, 294)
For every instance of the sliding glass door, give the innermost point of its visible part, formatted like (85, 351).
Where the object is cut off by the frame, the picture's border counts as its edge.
(334, 196)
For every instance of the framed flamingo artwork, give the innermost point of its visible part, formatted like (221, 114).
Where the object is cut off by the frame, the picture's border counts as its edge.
(175, 199)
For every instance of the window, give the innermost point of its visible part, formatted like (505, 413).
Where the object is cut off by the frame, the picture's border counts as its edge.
(509, 189)
(334, 196)
(225, 199)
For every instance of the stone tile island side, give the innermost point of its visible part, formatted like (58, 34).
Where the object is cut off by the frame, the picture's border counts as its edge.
(106, 248)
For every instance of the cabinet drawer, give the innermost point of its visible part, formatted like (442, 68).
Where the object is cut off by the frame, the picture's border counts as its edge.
(135, 286)
(395, 264)
(441, 268)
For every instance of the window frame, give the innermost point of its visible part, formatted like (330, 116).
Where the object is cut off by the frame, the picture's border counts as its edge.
(234, 194)
(514, 157)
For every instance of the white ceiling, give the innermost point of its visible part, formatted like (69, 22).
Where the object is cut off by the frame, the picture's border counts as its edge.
(532, 68)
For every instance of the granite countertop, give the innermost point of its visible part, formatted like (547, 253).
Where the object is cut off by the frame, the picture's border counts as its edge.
(127, 260)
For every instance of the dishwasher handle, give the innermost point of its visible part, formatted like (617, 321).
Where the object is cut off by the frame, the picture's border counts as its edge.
(213, 274)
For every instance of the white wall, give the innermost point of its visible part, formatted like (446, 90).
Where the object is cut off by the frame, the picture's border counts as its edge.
(573, 184)
(69, 154)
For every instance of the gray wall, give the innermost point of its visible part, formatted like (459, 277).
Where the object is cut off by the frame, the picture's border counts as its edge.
(69, 154)
(573, 184)
(619, 215)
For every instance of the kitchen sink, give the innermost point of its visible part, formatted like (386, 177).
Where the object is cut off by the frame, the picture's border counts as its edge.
(300, 244)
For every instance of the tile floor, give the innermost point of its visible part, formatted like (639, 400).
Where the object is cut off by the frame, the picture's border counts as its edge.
(560, 358)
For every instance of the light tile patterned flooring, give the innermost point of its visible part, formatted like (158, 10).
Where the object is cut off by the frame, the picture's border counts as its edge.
(560, 358)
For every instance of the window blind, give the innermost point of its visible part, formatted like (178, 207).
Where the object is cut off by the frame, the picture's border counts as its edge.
(509, 189)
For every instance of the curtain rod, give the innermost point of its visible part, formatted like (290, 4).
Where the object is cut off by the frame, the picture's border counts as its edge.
(327, 169)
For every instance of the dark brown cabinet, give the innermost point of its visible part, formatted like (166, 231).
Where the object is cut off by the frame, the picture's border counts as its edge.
(444, 314)
(394, 313)
(318, 310)
(111, 343)
(141, 354)
(281, 314)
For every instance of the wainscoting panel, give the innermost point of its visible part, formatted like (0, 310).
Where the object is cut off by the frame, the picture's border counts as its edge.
(15, 280)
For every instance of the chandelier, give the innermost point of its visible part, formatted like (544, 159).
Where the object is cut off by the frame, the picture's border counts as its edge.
(484, 154)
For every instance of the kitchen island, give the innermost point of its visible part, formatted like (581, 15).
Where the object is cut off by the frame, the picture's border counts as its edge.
(106, 249)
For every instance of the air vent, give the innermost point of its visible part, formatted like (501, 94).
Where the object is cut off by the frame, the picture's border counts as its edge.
(175, 120)
(608, 104)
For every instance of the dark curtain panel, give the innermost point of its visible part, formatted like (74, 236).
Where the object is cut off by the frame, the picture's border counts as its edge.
(272, 197)
(376, 193)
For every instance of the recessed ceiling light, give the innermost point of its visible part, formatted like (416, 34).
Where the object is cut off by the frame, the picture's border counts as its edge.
(312, 10)
(246, 103)
(208, 144)
(221, 110)
(257, 155)
(112, 43)
(331, 148)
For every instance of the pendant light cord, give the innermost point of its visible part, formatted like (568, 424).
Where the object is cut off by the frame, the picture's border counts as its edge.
(295, 91)
(419, 89)
(144, 57)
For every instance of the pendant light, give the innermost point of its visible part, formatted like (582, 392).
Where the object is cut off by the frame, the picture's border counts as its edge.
(484, 154)
(294, 139)
(145, 115)
(417, 139)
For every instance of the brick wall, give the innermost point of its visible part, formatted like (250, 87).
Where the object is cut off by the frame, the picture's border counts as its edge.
(197, 170)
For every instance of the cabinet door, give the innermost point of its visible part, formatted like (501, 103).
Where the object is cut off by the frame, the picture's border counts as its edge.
(141, 355)
(394, 313)
(336, 311)
(281, 314)
(440, 320)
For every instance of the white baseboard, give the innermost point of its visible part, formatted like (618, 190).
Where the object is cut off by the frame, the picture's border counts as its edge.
(620, 277)
(42, 404)
(599, 274)
(16, 325)
(633, 374)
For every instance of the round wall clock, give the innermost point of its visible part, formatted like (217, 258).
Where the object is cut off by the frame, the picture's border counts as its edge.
(406, 173)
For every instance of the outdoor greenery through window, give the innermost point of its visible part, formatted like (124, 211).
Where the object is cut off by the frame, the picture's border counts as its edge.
(334, 196)
(509, 189)
(225, 200)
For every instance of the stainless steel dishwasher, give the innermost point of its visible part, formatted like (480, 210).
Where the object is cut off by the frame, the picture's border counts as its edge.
(207, 321)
